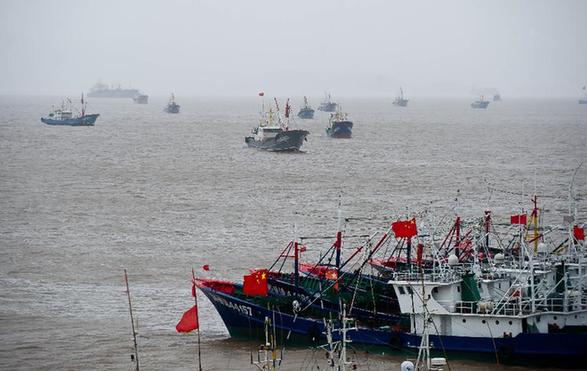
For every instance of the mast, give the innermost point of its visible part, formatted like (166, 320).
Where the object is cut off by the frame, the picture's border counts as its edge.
(198, 329)
(132, 322)
(287, 111)
(83, 107)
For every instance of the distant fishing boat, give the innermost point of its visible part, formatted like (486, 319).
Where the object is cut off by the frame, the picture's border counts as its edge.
(584, 99)
(306, 112)
(104, 91)
(481, 103)
(273, 133)
(64, 115)
(141, 98)
(172, 107)
(339, 126)
(400, 100)
(497, 97)
(327, 105)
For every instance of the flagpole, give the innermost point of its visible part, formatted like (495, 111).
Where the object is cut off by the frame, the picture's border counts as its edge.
(132, 322)
(198, 329)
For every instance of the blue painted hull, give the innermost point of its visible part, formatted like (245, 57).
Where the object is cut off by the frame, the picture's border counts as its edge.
(306, 113)
(340, 129)
(87, 120)
(246, 319)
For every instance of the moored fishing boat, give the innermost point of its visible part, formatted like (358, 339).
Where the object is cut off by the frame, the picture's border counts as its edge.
(481, 103)
(327, 105)
(273, 132)
(306, 112)
(506, 301)
(339, 126)
(64, 115)
(171, 106)
(140, 98)
(400, 100)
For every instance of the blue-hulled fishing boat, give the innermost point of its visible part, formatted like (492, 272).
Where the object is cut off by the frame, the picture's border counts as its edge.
(64, 115)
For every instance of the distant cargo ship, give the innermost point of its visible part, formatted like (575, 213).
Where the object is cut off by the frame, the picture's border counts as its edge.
(104, 91)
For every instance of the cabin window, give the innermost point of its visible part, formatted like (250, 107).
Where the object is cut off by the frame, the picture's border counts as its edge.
(479, 284)
(410, 290)
(499, 285)
(435, 290)
(402, 291)
(497, 322)
(458, 289)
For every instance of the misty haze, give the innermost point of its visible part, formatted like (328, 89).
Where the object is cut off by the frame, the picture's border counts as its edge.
(220, 185)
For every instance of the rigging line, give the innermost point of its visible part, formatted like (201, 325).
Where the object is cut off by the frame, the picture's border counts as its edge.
(493, 342)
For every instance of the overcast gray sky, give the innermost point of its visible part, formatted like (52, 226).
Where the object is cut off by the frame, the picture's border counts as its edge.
(296, 47)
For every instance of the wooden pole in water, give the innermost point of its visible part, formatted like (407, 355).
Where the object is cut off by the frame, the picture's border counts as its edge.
(132, 321)
(198, 329)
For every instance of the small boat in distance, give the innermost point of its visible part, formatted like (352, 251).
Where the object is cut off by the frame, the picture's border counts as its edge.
(497, 97)
(64, 115)
(327, 105)
(273, 133)
(172, 107)
(306, 112)
(400, 100)
(481, 103)
(584, 99)
(339, 126)
(141, 98)
(104, 91)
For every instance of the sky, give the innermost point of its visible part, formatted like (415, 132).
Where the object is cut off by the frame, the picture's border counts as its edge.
(362, 48)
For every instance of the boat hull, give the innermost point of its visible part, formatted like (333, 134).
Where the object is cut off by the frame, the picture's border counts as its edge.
(86, 120)
(582, 101)
(306, 114)
(246, 319)
(480, 105)
(171, 109)
(340, 130)
(290, 140)
(327, 107)
(113, 93)
(401, 103)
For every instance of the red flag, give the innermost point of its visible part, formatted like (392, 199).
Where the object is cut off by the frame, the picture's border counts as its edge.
(518, 219)
(261, 93)
(332, 274)
(404, 228)
(579, 233)
(189, 321)
(206, 267)
(255, 284)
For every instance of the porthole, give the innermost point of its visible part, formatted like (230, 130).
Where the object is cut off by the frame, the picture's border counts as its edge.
(497, 322)
(511, 323)
(555, 317)
(483, 321)
(464, 320)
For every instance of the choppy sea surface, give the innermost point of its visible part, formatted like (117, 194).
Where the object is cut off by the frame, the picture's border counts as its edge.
(160, 194)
